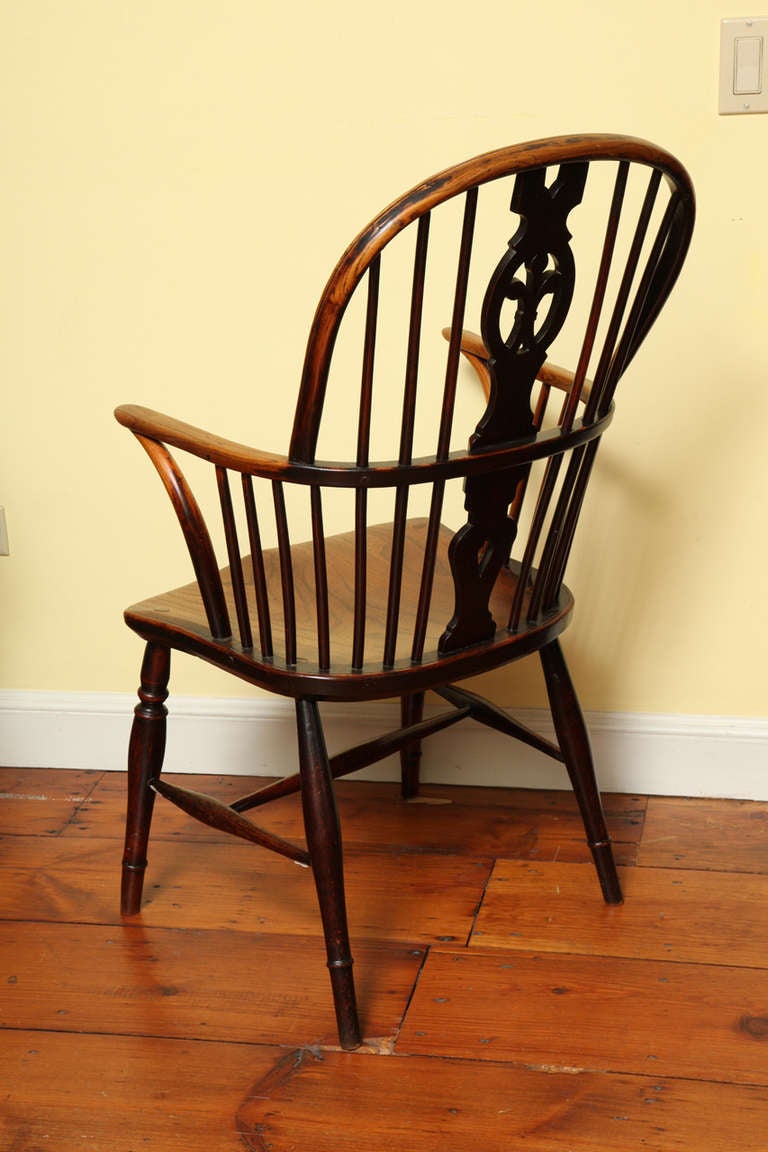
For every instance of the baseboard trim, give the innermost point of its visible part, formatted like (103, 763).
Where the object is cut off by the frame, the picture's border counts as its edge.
(719, 756)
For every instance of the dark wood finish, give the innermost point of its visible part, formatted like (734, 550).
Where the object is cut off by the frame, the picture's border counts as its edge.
(510, 823)
(483, 546)
(321, 822)
(145, 762)
(402, 740)
(182, 611)
(98, 1046)
(549, 375)
(486, 713)
(574, 744)
(227, 818)
(394, 610)
(411, 711)
(147, 424)
(261, 594)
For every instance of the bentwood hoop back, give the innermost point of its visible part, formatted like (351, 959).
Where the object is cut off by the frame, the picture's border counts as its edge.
(408, 563)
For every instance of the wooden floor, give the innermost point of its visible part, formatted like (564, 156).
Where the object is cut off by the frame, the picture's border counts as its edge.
(505, 1006)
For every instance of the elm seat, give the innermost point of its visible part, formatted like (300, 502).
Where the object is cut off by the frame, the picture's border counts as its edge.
(183, 610)
(465, 573)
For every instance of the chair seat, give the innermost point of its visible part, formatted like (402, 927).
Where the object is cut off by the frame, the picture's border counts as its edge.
(382, 611)
(177, 619)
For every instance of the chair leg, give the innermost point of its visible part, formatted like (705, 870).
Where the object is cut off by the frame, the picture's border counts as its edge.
(574, 744)
(321, 823)
(411, 712)
(145, 762)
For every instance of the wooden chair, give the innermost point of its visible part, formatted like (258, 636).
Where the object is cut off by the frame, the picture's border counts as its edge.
(396, 602)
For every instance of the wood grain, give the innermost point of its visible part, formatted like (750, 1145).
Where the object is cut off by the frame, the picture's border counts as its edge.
(472, 821)
(123, 1093)
(208, 1024)
(667, 914)
(191, 984)
(592, 1013)
(42, 801)
(102, 813)
(379, 610)
(424, 1103)
(726, 835)
(228, 885)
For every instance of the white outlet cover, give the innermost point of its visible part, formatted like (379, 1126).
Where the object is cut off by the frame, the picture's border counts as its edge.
(739, 36)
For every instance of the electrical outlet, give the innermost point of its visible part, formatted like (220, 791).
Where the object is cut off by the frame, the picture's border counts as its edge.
(4, 548)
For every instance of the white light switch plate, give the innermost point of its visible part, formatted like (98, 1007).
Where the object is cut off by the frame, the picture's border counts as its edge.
(744, 65)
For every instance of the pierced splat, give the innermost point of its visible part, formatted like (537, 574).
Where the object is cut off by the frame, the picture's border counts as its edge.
(355, 616)
(542, 299)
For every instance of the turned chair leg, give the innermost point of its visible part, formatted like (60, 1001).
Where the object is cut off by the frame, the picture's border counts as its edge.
(145, 762)
(574, 744)
(321, 824)
(411, 712)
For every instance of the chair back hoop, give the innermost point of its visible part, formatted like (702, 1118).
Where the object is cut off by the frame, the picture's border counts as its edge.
(534, 279)
(600, 228)
(542, 226)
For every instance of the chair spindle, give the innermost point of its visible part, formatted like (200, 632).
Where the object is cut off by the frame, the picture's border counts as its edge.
(395, 574)
(428, 571)
(369, 356)
(574, 395)
(524, 469)
(633, 329)
(362, 459)
(407, 427)
(259, 575)
(235, 560)
(414, 341)
(286, 572)
(607, 365)
(457, 324)
(321, 580)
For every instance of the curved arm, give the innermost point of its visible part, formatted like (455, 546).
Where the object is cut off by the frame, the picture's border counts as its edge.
(552, 375)
(145, 422)
(195, 533)
(152, 426)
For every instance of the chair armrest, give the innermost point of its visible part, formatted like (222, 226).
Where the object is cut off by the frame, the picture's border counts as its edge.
(552, 375)
(157, 433)
(151, 425)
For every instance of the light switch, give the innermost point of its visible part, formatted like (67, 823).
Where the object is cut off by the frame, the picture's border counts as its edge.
(748, 59)
(743, 79)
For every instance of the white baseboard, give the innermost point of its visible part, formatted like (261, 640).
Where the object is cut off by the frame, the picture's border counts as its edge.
(658, 754)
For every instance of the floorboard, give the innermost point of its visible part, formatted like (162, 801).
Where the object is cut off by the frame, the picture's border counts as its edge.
(68, 1093)
(512, 823)
(191, 984)
(504, 1005)
(434, 1104)
(721, 835)
(667, 914)
(237, 886)
(595, 1013)
(40, 801)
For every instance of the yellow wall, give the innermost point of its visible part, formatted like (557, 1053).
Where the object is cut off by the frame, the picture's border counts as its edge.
(179, 178)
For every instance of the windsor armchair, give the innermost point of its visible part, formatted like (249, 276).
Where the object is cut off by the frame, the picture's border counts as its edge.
(419, 588)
